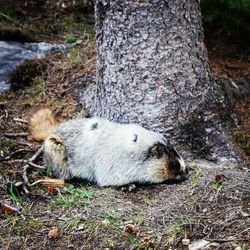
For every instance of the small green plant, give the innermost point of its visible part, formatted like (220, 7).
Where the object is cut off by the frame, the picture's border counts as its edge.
(137, 219)
(36, 224)
(243, 140)
(71, 224)
(90, 30)
(134, 242)
(73, 40)
(176, 230)
(74, 57)
(71, 196)
(39, 87)
(195, 178)
(31, 102)
(62, 201)
(17, 224)
(14, 194)
(195, 202)
(218, 185)
(146, 199)
(242, 247)
(10, 144)
(78, 193)
(49, 171)
(91, 228)
(111, 219)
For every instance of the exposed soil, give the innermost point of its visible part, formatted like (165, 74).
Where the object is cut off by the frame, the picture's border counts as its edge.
(214, 204)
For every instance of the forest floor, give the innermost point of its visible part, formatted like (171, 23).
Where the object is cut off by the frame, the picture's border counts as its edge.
(213, 204)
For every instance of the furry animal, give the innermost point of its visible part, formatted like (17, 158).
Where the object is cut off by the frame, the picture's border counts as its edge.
(104, 152)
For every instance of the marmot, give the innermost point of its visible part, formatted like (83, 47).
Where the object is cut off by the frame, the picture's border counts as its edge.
(105, 152)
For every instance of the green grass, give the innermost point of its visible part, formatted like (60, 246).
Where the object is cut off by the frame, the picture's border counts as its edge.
(242, 139)
(137, 219)
(38, 87)
(44, 23)
(109, 218)
(195, 177)
(75, 57)
(70, 197)
(14, 194)
(10, 145)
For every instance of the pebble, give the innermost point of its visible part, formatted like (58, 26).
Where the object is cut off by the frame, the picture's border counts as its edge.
(185, 242)
(198, 245)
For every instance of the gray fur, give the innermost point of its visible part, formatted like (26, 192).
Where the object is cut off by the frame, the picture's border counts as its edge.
(109, 153)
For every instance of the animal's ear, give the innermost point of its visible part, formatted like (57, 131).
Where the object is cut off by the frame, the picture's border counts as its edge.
(157, 150)
(169, 149)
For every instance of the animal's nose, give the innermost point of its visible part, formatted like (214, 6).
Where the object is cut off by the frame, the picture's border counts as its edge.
(183, 175)
(186, 171)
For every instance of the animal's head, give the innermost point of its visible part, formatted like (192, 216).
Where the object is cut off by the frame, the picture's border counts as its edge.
(158, 160)
(166, 162)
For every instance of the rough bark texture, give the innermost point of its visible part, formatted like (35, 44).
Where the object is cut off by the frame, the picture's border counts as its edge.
(152, 69)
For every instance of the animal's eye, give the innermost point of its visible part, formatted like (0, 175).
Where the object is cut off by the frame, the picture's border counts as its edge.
(157, 150)
(135, 138)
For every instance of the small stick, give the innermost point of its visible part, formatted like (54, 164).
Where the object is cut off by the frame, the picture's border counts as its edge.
(24, 143)
(16, 210)
(24, 134)
(20, 120)
(16, 152)
(24, 175)
(26, 166)
(6, 113)
(226, 240)
(16, 161)
(49, 182)
(35, 165)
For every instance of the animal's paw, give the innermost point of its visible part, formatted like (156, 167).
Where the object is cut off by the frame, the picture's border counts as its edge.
(127, 188)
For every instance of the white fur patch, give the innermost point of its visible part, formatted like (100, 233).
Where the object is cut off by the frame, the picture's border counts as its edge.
(107, 152)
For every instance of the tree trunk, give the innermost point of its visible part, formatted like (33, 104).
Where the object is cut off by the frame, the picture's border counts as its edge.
(152, 69)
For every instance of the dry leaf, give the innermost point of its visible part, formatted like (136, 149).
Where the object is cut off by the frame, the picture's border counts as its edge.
(6, 210)
(49, 182)
(149, 241)
(131, 229)
(52, 189)
(218, 178)
(53, 233)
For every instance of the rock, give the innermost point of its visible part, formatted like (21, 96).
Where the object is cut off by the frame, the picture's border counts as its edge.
(204, 210)
(185, 242)
(14, 53)
(197, 245)
(213, 245)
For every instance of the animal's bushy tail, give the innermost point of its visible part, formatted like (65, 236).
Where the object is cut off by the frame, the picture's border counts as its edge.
(41, 124)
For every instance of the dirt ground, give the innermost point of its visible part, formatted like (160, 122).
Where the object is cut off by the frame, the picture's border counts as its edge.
(213, 204)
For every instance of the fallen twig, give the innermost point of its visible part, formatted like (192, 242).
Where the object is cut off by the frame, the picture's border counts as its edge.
(10, 19)
(225, 240)
(35, 165)
(16, 161)
(20, 120)
(28, 164)
(24, 134)
(49, 181)
(24, 143)
(6, 113)
(16, 152)
(9, 209)
(37, 153)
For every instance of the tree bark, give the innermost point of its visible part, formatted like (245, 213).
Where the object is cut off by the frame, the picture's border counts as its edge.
(152, 69)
